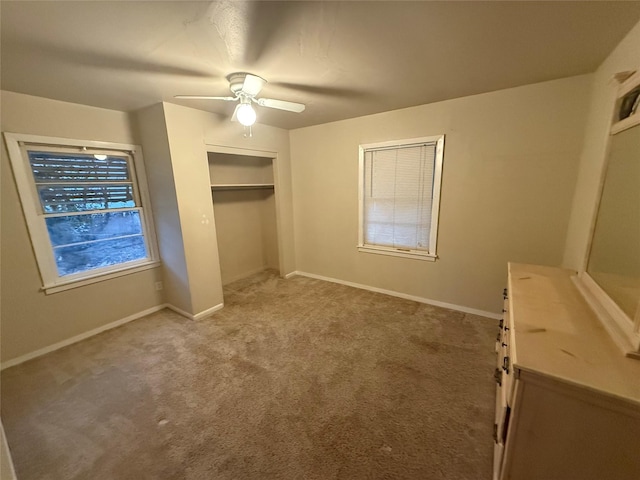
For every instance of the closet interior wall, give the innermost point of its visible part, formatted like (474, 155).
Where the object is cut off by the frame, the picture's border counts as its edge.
(243, 195)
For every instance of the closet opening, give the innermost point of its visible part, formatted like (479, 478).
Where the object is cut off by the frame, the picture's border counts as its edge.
(243, 191)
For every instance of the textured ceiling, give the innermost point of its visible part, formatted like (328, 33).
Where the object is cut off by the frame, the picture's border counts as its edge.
(342, 59)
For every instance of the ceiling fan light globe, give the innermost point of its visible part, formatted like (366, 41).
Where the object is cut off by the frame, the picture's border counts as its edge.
(246, 115)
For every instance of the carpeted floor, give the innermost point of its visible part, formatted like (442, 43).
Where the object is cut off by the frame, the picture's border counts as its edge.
(293, 379)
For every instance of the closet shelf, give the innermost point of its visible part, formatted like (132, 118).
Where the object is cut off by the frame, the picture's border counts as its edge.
(240, 186)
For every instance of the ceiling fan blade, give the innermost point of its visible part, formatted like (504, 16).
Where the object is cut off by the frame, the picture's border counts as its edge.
(265, 21)
(281, 105)
(252, 84)
(234, 117)
(344, 92)
(107, 61)
(205, 97)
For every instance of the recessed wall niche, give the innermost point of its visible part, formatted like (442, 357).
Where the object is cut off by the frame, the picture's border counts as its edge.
(243, 194)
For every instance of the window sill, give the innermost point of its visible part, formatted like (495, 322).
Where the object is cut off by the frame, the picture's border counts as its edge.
(394, 252)
(81, 282)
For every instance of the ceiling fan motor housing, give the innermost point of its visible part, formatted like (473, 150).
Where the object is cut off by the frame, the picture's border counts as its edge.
(245, 88)
(236, 81)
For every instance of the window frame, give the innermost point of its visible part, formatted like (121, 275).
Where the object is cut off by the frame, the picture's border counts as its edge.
(429, 255)
(17, 146)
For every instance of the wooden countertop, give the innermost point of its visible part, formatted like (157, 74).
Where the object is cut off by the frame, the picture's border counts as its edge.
(556, 334)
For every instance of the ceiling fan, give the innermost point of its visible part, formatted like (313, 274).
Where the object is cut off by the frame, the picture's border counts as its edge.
(245, 87)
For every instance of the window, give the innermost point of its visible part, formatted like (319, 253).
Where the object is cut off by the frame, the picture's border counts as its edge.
(86, 207)
(400, 197)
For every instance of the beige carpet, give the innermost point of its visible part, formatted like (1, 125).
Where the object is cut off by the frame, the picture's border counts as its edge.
(293, 379)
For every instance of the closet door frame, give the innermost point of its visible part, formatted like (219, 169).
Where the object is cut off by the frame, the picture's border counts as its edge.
(276, 191)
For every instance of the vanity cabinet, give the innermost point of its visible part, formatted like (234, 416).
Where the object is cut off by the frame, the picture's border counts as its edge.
(568, 402)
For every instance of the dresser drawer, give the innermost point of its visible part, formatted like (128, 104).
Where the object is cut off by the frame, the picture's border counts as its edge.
(503, 376)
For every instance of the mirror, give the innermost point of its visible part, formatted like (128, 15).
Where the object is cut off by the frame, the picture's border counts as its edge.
(614, 259)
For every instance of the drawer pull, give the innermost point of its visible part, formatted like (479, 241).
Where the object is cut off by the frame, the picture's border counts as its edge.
(505, 364)
(505, 293)
(504, 345)
(501, 324)
(497, 375)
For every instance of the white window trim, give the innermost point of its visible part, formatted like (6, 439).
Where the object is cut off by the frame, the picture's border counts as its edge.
(435, 205)
(51, 282)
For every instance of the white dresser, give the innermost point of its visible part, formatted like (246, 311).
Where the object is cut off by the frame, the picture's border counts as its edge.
(568, 401)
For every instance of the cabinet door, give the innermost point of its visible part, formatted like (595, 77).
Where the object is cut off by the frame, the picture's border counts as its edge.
(569, 433)
(503, 376)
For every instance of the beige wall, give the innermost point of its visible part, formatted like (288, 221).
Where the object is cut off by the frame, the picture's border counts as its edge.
(30, 319)
(175, 148)
(225, 168)
(191, 183)
(204, 131)
(502, 150)
(181, 146)
(269, 230)
(626, 56)
(510, 165)
(219, 131)
(245, 219)
(245, 226)
(152, 130)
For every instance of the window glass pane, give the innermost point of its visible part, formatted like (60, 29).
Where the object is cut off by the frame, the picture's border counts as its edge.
(383, 174)
(404, 236)
(408, 169)
(89, 202)
(406, 222)
(379, 234)
(56, 167)
(77, 198)
(93, 226)
(379, 210)
(88, 256)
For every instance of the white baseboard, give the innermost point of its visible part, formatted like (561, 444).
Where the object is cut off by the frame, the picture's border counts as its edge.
(197, 316)
(77, 338)
(209, 311)
(90, 333)
(451, 306)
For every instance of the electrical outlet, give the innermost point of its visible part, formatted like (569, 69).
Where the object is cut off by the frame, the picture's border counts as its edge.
(158, 285)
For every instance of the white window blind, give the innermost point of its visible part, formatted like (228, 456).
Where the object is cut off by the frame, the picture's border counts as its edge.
(400, 196)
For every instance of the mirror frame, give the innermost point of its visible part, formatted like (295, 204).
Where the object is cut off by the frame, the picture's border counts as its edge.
(625, 333)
